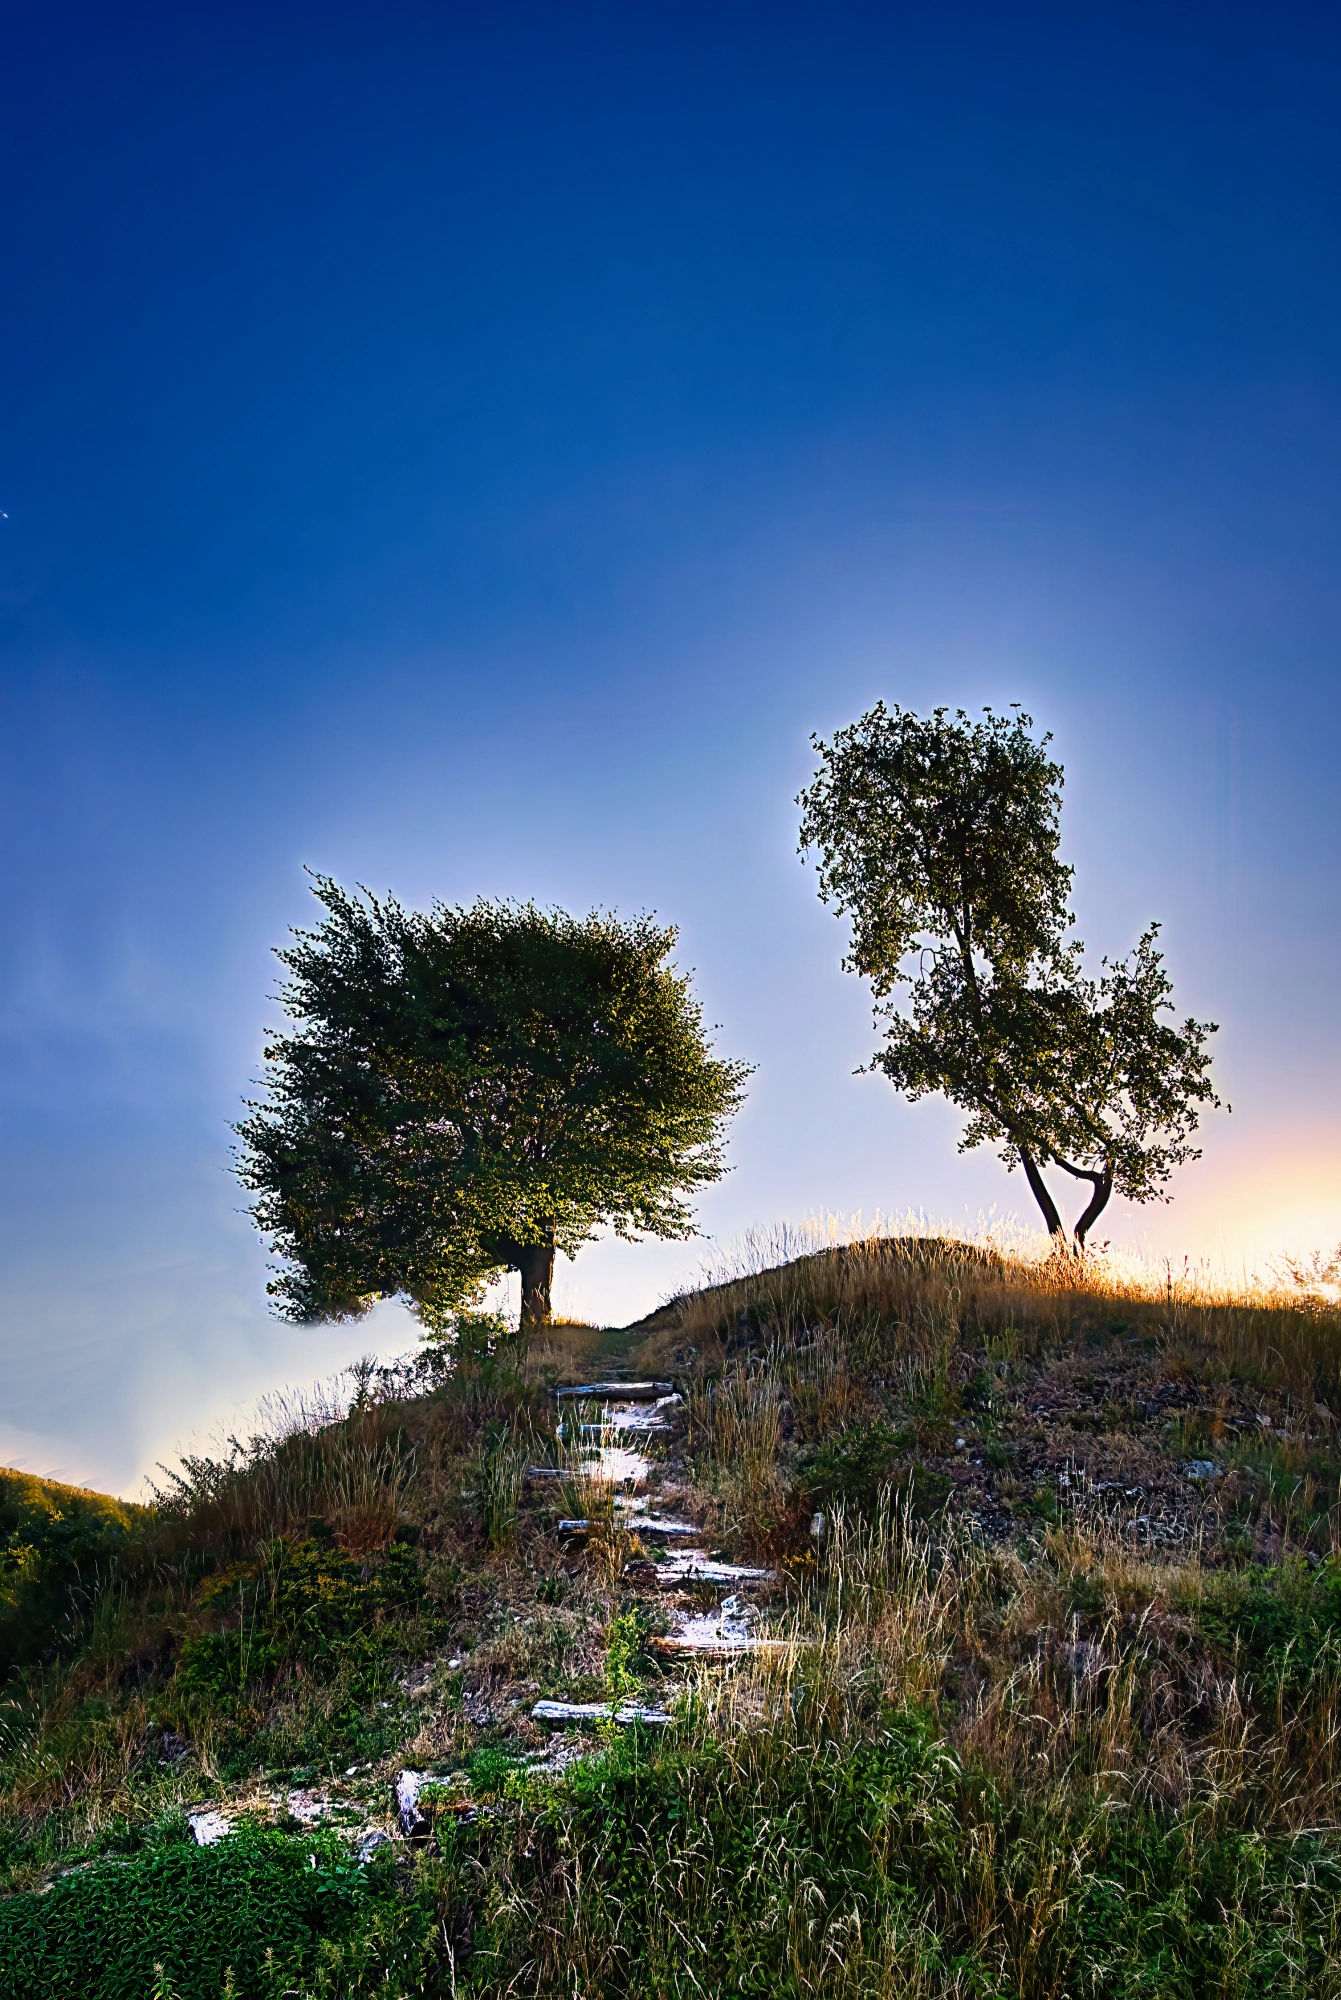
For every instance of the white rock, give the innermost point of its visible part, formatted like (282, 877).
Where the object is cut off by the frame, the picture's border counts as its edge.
(695, 1567)
(600, 1465)
(406, 1788)
(642, 1524)
(615, 1465)
(596, 1711)
(716, 1633)
(208, 1828)
(308, 1807)
(593, 1392)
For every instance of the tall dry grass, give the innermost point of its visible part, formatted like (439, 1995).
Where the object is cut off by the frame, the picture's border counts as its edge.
(333, 1453)
(936, 1786)
(778, 1288)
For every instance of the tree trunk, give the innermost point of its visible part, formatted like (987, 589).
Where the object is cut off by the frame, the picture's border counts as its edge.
(1041, 1195)
(1103, 1187)
(535, 1261)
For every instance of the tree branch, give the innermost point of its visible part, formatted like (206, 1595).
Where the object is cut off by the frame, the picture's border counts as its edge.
(1101, 1180)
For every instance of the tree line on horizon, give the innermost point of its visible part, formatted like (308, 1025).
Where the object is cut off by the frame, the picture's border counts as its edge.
(468, 1090)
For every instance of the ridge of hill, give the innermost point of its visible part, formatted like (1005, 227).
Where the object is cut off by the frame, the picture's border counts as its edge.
(901, 1620)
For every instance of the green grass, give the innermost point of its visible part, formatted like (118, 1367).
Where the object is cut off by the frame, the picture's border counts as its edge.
(885, 1865)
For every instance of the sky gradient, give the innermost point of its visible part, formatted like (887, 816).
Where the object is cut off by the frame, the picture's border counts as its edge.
(469, 450)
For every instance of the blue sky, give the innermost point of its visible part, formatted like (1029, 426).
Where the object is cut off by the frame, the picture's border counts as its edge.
(468, 450)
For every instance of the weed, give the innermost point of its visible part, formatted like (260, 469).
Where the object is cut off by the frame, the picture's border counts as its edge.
(625, 1638)
(504, 1457)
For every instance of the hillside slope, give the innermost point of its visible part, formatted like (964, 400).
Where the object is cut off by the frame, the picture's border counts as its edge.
(945, 1625)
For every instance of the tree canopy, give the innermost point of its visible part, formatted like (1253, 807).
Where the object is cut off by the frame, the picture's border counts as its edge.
(466, 1090)
(938, 838)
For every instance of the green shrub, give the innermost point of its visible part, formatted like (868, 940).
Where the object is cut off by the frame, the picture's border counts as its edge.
(1281, 1625)
(307, 1605)
(270, 1909)
(59, 1548)
(626, 1652)
(489, 1771)
(854, 1464)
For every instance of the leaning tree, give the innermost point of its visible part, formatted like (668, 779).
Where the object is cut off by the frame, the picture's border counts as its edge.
(938, 839)
(466, 1091)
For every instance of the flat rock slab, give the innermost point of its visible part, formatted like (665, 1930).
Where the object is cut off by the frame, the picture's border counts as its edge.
(619, 1392)
(596, 1711)
(694, 1567)
(560, 1755)
(308, 1807)
(719, 1634)
(631, 1417)
(638, 1524)
(663, 1531)
(607, 1465)
(616, 1465)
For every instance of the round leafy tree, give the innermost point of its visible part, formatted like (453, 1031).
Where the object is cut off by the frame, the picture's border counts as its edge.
(938, 838)
(466, 1090)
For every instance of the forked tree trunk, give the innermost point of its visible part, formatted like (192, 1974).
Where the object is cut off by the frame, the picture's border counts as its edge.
(1102, 1184)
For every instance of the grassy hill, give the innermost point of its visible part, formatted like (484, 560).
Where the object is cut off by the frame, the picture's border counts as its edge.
(1039, 1693)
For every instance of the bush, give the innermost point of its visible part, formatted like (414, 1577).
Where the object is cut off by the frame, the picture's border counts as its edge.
(308, 1605)
(267, 1908)
(1280, 1625)
(854, 1464)
(59, 1546)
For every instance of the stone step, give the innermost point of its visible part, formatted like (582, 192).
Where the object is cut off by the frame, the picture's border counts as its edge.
(640, 1417)
(564, 1712)
(618, 1392)
(694, 1567)
(645, 1525)
(716, 1635)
